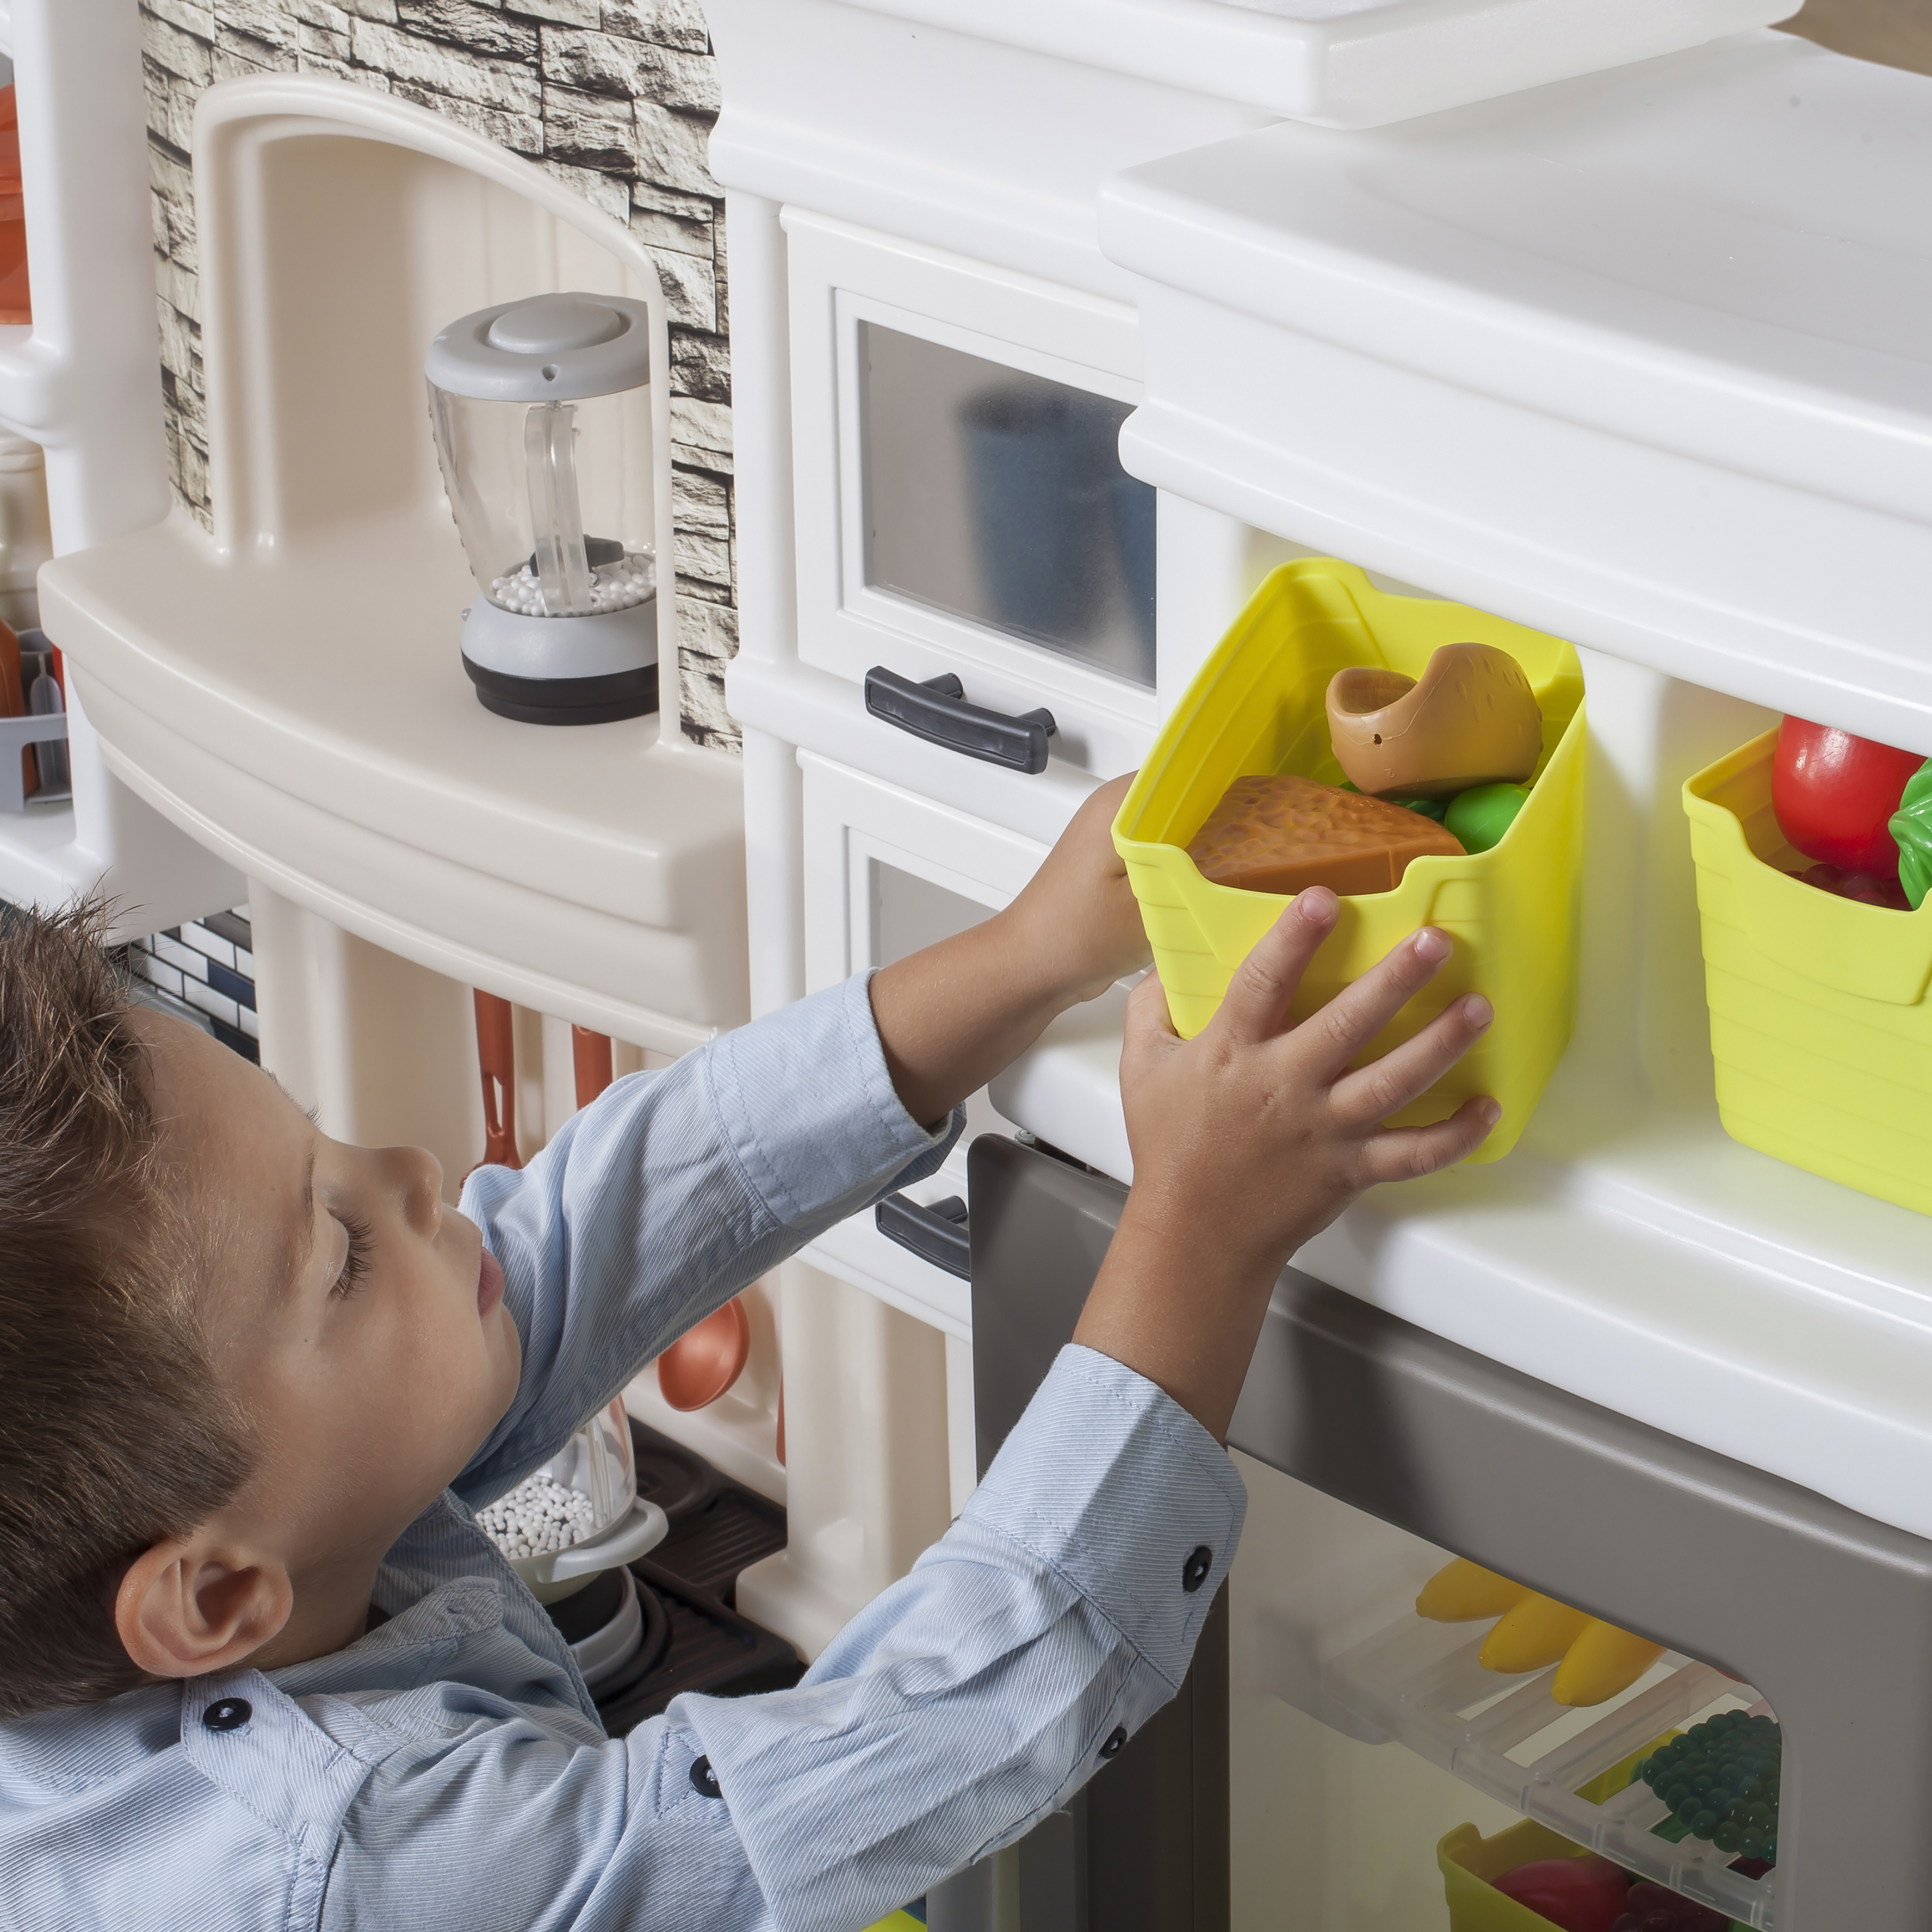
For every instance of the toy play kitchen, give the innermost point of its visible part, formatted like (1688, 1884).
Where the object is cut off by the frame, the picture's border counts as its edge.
(1471, 455)
(1609, 359)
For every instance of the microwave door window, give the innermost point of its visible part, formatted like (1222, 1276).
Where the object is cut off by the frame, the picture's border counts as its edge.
(998, 496)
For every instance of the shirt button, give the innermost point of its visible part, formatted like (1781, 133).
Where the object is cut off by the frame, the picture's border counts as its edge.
(704, 1779)
(230, 1714)
(1116, 1738)
(1194, 1571)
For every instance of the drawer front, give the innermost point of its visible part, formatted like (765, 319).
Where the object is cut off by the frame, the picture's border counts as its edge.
(887, 872)
(961, 507)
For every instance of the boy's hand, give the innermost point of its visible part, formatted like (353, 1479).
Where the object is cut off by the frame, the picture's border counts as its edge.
(952, 1016)
(1077, 917)
(1250, 1139)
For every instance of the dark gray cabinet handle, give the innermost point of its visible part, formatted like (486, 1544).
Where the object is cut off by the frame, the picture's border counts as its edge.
(938, 711)
(937, 1234)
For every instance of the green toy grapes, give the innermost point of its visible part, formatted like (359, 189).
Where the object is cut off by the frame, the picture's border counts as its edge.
(1720, 1780)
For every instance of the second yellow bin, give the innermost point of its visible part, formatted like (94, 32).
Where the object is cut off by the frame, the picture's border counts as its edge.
(1257, 707)
(1820, 1026)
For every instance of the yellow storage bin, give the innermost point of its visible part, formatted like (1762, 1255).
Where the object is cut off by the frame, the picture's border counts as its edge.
(1819, 1024)
(1470, 1864)
(1257, 707)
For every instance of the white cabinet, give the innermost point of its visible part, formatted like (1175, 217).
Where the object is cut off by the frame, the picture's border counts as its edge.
(887, 872)
(961, 507)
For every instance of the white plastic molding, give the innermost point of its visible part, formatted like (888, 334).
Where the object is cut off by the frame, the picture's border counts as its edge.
(83, 381)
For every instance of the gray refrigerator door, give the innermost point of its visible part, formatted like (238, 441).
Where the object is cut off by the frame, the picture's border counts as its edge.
(1827, 1613)
(1144, 1846)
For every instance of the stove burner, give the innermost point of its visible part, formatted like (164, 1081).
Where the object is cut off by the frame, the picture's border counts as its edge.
(616, 1630)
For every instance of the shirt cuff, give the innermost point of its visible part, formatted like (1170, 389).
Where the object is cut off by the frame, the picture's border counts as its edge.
(809, 1112)
(1114, 1486)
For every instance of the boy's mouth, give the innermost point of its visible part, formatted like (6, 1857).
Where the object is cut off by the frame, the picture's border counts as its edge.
(489, 1283)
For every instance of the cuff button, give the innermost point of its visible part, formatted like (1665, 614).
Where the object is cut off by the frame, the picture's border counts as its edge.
(229, 1714)
(1194, 1571)
(704, 1779)
(1116, 1738)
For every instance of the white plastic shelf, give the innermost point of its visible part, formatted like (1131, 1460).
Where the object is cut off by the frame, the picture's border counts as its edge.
(1638, 359)
(1345, 63)
(330, 745)
(1420, 1683)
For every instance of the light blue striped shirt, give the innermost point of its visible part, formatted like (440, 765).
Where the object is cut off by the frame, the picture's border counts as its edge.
(448, 1770)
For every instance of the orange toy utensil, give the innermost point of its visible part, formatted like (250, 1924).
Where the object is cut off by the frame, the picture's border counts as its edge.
(496, 1051)
(590, 1060)
(703, 1362)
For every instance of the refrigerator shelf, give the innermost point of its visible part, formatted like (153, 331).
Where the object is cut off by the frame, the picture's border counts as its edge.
(1420, 1684)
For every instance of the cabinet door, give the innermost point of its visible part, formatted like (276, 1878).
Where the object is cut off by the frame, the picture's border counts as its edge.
(887, 872)
(961, 508)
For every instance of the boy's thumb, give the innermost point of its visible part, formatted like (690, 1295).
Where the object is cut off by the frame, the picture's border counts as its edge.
(1149, 1026)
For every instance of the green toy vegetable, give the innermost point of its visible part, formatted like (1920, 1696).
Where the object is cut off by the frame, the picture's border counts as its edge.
(1481, 816)
(1912, 827)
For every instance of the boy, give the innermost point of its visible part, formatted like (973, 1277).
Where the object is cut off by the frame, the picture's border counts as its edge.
(260, 1668)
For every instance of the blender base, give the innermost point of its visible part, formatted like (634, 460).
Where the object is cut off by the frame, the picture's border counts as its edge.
(565, 700)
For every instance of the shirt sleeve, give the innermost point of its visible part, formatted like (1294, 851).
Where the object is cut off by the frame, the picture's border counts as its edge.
(655, 1205)
(958, 1708)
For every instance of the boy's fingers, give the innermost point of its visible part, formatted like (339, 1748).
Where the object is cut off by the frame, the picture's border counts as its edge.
(1333, 1037)
(1147, 1033)
(1256, 1005)
(1405, 1154)
(1386, 1086)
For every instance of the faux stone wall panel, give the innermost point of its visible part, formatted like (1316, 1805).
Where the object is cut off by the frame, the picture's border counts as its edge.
(615, 97)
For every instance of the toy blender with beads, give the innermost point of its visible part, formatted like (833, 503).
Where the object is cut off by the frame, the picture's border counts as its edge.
(579, 1514)
(542, 418)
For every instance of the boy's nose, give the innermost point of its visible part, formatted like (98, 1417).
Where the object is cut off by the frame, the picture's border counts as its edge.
(420, 1174)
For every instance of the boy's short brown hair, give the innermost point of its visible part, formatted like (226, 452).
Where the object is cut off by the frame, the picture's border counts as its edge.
(114, 1432)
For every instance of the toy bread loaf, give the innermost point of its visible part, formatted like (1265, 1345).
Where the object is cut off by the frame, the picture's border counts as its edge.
(1281, 834)
(1471, 720)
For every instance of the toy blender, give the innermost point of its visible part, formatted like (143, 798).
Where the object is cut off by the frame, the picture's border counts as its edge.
(541, 411)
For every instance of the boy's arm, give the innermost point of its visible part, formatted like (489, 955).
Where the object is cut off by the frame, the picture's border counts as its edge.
(953, 1015)
(656, 1204)
(1060, 1611)
(1250, 1139)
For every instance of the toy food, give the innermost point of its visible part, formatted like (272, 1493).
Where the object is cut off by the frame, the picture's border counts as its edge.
(1863, 886)
(1602, 1661)
(1597, 1659)
(1656, 1908)
(1479, 817)
(1720, 1779)
(1472, 720)
(1462, 1592)
(1835, 795)
(1536, 1632)
(1911, 829)
(1281, 834)
(1585, 1894)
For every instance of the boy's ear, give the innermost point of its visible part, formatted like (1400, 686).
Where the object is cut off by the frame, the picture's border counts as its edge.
(189, 1606)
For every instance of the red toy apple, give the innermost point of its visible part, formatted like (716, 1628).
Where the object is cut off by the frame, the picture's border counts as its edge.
(1835, 795)
(1584, 1894)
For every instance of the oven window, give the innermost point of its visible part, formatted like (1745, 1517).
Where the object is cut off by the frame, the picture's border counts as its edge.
(999, 497)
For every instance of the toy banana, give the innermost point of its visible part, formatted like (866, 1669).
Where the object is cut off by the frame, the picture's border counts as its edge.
(1463, 1592)
(1535, 1633)
(1601, 1662)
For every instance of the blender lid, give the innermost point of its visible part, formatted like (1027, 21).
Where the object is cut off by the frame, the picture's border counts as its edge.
(545, 349)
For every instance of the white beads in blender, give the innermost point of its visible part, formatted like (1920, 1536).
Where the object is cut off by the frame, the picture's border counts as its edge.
(631, 580)
(538, 1518)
